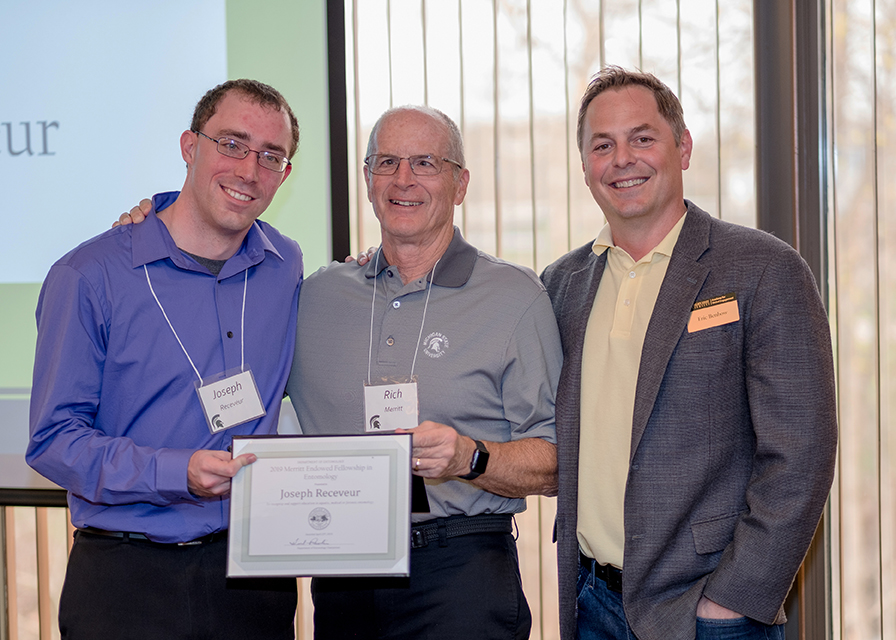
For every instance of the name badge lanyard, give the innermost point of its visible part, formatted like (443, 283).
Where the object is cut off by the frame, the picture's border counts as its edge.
(393, 405)
(232, 398)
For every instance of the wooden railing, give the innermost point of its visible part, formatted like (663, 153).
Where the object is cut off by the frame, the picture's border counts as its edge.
(35, 540)
(35, 537)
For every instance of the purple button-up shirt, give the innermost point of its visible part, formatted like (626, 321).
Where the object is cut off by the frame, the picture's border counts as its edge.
(115, 415)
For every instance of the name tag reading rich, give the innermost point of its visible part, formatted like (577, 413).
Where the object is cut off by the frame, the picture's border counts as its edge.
(714, 312)
(388, 407)
(230, 401)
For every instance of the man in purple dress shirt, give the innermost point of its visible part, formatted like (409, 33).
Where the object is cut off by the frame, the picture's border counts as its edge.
(137, 330)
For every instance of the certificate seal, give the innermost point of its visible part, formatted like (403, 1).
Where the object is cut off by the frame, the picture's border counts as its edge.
(319, 518)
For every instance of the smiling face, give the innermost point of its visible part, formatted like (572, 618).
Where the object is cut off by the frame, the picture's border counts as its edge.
(415, 209)
(631, 162)
(226, 195)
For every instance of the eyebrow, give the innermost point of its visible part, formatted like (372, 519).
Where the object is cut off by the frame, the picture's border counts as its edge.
(632, 131)
(243, 136)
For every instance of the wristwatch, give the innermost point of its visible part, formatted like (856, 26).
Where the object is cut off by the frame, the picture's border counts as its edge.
(478, 463)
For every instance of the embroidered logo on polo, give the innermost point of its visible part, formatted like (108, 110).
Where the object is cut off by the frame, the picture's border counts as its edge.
(435, 345)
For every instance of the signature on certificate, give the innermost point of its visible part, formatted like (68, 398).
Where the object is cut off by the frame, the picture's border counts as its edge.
(310, 542)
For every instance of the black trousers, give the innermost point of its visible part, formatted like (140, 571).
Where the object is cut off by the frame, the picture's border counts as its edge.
(469, 589)
(136, 590)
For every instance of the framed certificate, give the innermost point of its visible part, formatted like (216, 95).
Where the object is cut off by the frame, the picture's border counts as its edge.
(321, 506)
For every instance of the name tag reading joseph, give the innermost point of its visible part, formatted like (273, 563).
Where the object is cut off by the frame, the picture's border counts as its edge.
(714, 312)
(388, 407)
(231, 401)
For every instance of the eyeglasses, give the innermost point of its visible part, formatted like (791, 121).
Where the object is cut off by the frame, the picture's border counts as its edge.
(236, 149)
(381, 165)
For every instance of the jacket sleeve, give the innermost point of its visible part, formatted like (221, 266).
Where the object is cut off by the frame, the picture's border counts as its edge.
(789, 379)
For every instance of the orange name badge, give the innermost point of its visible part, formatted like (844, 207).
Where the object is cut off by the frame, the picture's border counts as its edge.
(713, 312)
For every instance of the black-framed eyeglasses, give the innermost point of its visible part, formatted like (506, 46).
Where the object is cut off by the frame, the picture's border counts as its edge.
(236, 149)
(383, 165)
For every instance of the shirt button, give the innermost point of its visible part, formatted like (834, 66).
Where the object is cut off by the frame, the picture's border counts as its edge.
(230, 334)
(627, 302)
(389, 273)
(631, 274)
(390, 341)
(396, 304)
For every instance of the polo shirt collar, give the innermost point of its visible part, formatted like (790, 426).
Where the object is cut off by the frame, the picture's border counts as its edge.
(604, 240)
(454, 269)
(151, 241)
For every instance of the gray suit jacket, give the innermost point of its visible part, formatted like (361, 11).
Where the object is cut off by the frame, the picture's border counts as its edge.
(733, 435)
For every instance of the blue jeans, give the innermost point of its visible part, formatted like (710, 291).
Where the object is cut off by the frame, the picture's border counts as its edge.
(601, 617)
(737, 629)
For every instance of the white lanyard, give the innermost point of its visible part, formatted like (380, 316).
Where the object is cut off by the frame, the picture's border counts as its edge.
(231, 398)
(242, 323)
(432, 275)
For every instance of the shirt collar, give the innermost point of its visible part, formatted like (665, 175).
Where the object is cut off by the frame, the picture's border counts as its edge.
(454, 269)
(152, 242)
(604, 241)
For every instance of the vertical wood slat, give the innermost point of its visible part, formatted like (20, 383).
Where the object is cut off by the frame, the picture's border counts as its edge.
(4, 579)
(12, 604)
(304, 611)
(44, 603)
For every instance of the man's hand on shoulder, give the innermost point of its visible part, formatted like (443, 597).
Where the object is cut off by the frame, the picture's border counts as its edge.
(136, 215)
(209, 472)
(363, 257)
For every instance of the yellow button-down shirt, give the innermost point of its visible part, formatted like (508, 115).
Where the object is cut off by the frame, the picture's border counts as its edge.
(614, 337)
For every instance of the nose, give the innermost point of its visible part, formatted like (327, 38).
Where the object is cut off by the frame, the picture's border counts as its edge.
(403, 174)
(247, 169)
(624, 156)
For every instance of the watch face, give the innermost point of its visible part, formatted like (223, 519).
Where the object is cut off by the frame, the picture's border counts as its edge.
(478, 462)
(480, 458)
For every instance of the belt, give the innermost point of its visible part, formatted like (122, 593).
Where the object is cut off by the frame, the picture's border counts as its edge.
(441, 529)
(127, 536)
(606, 572)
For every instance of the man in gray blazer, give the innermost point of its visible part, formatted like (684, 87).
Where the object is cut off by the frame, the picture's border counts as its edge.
(696, 419)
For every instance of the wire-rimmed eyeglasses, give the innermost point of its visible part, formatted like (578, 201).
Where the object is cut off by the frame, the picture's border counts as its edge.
(383, 165)
(239, 150)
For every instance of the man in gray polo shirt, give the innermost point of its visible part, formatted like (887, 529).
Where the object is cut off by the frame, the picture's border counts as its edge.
(476, 339)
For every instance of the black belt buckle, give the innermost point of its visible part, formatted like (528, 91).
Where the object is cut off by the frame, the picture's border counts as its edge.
(611, 576)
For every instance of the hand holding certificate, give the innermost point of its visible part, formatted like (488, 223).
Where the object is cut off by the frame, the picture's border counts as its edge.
(321, 506)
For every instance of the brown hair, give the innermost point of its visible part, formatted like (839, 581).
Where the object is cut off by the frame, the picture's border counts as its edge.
(257, 92)
(614, 77)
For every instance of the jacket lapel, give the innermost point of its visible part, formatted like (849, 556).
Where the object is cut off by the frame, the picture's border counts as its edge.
(683, 281)
(578, 300)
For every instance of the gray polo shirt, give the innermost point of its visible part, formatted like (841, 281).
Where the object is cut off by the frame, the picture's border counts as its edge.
(488, 361)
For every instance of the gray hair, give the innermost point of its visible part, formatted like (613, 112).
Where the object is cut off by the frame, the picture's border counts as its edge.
(455, 140)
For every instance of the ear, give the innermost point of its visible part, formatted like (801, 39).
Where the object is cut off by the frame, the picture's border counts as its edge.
(367, 179)
(585, 174)
(285, 174)
(686, 146)
(462, 182)
(188, 142)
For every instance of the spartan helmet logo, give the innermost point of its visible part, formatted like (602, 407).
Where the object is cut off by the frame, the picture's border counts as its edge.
(435, 345)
